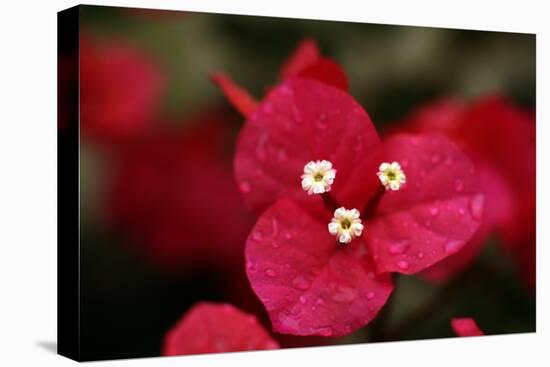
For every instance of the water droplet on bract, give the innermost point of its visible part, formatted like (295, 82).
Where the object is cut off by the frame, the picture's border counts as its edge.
(252, 268)
(459, 185)
(270, 273)
(403, 265)
(274, 227)
(436, 158)
(261, 152)
(302, 300)
(325, 331)
(461, 211)
(268, 107)
(319, 301)
(476, 206)
(434, 211)
(420, 255)
(301, 283)
(281, 156)
(404, 163)
(257, 236)
(448, 161)
(344, 294)
(287, 265)
(287, 235)
(275, 244)
(398, 247)
(370, 295)
(453, 246)
(245, 187)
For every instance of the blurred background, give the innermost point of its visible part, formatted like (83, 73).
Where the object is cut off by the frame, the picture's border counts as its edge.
(156, 164)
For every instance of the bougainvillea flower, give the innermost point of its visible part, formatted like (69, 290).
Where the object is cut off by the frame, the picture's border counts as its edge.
(174, 195)
(216, 328)
(500, 139)
(466, 326)
(120, 90)
(308, 281)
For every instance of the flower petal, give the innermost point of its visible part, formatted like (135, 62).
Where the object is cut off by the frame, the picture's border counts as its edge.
(235, 94)
(216, 328)
(306, 54)
(466, 326)
(434, 214)
(327, 71)
(303, 120)
(309, 284)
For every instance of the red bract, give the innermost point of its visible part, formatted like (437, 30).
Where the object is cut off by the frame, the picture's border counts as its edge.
(500, 139)
(120, 89)
(308, 282)
(216, 328)
(172, 192)
(466, 326)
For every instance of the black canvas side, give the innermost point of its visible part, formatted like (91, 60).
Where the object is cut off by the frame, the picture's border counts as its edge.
(68, 262)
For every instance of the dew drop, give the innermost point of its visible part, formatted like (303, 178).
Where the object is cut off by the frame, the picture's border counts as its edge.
(245, 187)
(257, 235)
(370, 295)
(270, 273)
(459, 185)
(281, 156)
(403, 265)
(344, 294)
(301, 283)
(287, 235)
(461, 211)
(303, 300)
(420, 255)
(448, 161)
(261, 152)
(434, 211)
(252, 268)
(453, 246)
(319, 301)
(398, 247)
(436, 158)
(476, 206)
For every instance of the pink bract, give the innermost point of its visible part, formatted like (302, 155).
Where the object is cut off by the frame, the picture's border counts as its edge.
(299, 121)
(308, 284)
(216, 328)
(466, 326)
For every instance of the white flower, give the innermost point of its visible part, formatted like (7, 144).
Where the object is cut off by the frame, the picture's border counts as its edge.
(318, 177)
(345, 225)
(391, 176)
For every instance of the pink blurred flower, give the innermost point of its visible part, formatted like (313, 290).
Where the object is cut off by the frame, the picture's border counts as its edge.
(216, 328)
(173, 193)
(120, 90)
(466, 326)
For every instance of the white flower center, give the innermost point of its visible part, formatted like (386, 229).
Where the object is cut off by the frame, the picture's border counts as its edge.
(345, 225)
(391, 176)
(318, 177)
